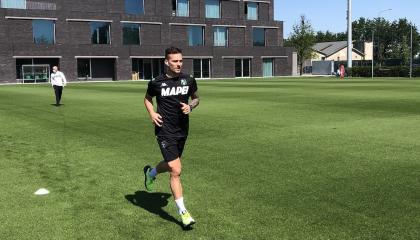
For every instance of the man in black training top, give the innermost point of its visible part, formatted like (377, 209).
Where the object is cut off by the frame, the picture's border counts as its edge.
(172, 91)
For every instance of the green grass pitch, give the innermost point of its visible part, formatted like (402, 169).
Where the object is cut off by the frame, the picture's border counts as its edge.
(287, 158)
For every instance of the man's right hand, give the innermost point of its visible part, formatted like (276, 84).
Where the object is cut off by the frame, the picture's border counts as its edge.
(156, 119)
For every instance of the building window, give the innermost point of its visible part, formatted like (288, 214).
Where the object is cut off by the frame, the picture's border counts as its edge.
(181, 8)
(84, 68)
(43, 31)
(33, 70)
(134, 7)
(259, 36)
(212, 8)
(201, 68)
(251, 10)
(268, 67)
(15, 4)
(96, 68)
(100, 32)
(131, 34)
(196, 36)
(148, 68)
(220, 36)
(243, 67)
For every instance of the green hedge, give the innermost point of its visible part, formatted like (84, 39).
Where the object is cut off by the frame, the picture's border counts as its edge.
(397, 71)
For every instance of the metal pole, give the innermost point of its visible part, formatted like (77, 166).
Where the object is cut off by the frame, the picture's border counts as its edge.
(349, 35)
(373, 48)
(411, 52)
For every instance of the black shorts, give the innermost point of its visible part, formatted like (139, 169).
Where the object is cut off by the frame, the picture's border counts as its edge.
(171, 147)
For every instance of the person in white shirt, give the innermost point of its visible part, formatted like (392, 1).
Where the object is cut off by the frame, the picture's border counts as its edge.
(58, 81)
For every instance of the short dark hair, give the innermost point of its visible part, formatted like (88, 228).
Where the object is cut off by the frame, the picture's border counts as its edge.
(172, 50)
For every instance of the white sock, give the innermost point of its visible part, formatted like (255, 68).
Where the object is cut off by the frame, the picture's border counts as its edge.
(180, 204)
(153, 173)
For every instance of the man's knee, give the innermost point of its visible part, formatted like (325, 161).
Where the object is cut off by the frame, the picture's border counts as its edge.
(175, 168)
(175, 171)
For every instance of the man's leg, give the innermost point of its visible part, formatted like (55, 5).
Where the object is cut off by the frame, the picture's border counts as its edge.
(60, 92)
(175, 178)
(176, 188)
(56, 94)
(174, 169)
(171, 151)
(151, 173)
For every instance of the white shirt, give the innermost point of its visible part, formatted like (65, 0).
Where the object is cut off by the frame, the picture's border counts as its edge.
(58, 79)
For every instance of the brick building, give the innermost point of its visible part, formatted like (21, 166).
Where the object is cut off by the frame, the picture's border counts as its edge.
(112, 39)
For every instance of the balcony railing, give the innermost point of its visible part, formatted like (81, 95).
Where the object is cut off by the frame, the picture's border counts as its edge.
(41, 5)
(23, 4)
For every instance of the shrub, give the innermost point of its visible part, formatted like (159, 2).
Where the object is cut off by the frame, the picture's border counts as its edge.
(395, 71)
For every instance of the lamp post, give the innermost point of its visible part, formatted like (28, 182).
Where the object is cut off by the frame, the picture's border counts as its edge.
(349, 36)
(373, 38)
(373, 47)
(411, 51)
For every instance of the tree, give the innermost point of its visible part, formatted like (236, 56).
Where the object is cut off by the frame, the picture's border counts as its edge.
(400, 44)
(302, 39)
(392, 39)
(330, 37)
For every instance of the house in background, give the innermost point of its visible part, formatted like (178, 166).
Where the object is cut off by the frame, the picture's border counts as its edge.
(337, 51)
(327, 55)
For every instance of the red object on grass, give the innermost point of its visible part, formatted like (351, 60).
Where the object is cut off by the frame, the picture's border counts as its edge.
(342, 71)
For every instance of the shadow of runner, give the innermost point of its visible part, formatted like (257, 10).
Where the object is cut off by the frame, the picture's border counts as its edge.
(153, 203)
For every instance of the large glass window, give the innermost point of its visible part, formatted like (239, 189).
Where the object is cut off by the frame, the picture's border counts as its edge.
(148, 68)
(220, 36)
(268, 67)
(181, 8)
(134, 7)
(259, 36)
(243, 67)
(100, 32)
(16, 4)
(201, 68)
(84, 68)
(196, 35)
(251, 10)
(212, 8)
(131, 34)
(43, 31)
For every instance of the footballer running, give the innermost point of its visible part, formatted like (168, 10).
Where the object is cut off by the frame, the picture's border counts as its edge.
(172, 92)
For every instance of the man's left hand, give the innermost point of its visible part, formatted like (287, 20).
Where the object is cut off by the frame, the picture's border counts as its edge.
(186, 109)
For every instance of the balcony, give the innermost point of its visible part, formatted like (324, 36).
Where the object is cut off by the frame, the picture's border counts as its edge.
(30, 5)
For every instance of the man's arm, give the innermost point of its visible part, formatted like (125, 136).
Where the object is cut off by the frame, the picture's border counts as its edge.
(195, 100)
(64, 79)
(154, 116)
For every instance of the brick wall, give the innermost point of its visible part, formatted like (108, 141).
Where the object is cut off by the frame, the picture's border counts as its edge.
(73, 38)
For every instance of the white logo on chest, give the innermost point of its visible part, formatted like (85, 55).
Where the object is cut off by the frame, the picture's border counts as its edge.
(174, 91)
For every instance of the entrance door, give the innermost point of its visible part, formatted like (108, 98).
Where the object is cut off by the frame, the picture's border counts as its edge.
(103, 68)
(84, 68)
(201, 68)
(147, 68)
(96, 68)
(267, 67)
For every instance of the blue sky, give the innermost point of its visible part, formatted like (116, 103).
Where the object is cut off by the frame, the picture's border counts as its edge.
(331, 14)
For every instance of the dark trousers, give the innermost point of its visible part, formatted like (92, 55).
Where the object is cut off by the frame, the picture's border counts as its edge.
(58, 90)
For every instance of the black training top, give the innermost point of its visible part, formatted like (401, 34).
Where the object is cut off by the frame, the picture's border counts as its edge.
(169, 93)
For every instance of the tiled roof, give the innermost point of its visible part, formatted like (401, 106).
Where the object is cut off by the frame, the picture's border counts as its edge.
(329, 48)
